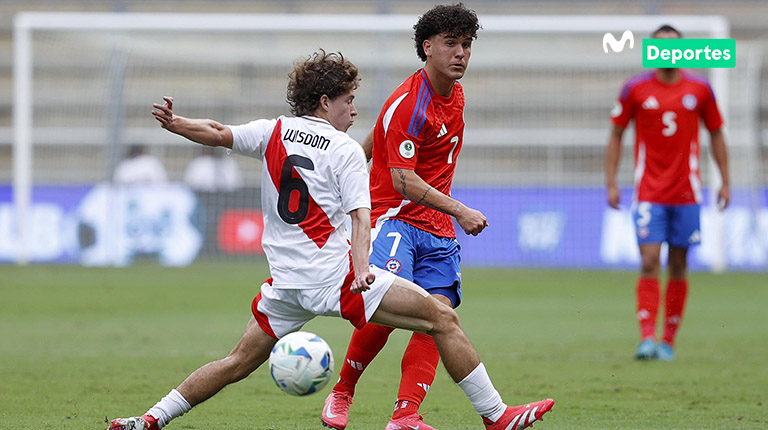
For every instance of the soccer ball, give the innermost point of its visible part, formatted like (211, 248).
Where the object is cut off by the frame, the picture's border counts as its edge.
(301, 363)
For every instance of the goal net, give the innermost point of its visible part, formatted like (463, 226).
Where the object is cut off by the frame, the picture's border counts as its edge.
(539, 90)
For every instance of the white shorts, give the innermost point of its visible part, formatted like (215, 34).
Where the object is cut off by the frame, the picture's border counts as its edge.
(280, 311)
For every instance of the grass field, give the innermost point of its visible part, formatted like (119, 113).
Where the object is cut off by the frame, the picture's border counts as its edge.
(78, 345)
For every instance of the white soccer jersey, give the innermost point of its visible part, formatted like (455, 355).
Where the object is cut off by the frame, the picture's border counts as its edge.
(313, 176)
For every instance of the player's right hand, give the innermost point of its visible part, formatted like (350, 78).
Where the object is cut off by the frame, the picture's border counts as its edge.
(614, 196)
(164, 112)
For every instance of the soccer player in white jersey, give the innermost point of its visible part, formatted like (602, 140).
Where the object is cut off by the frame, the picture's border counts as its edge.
(314, 176)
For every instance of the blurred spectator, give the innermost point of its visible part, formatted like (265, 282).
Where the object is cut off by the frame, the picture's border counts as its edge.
(139, 168)
(211, 171)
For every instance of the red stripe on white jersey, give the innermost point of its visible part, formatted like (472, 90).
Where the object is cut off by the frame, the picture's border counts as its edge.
(316, 225)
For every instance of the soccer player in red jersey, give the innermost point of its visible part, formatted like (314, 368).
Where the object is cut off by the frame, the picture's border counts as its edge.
(414, 146)
(666, 105)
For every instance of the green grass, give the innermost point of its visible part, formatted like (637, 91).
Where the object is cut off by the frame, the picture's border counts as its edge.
(78, 345)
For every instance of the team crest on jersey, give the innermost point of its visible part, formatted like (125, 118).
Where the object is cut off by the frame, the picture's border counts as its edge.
(407, 149)
(643, 232)
(690, 101)
(394, 266)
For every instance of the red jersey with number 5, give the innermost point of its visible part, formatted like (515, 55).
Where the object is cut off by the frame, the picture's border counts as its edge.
(667, 134)
(422, 131)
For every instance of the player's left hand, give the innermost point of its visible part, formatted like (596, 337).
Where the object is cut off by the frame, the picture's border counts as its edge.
(362, 282)
(472, 221)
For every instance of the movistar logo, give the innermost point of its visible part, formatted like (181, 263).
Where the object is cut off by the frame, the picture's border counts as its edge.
(618, 45)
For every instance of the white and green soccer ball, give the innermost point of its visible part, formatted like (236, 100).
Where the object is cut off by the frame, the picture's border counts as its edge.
(301, 363)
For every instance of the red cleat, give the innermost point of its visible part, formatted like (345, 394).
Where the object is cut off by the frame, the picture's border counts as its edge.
(144, 422)
(520, 417)
(336, 410)
(410, 422)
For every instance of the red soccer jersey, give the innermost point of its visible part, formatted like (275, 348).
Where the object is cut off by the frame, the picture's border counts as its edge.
(667, 134)
(422, 131)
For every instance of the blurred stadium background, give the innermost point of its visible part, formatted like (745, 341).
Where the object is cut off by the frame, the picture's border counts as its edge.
(539, 91)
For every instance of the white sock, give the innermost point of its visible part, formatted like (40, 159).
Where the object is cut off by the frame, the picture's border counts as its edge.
(169, 407)
(481, 393)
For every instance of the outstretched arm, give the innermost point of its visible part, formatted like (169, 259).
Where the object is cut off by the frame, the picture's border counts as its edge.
(720, 154)
(204, 131)
(410, 185)
(612, 158)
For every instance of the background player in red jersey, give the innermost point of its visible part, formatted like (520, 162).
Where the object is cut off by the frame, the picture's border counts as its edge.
(666, 105)
(414, 145)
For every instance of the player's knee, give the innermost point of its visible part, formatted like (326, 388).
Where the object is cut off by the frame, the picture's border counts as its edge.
(677, 266)
(677, 271)
(446, 318)
(650, 265)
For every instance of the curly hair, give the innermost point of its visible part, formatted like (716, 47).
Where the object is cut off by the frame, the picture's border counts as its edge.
(455, 20)
(321, 73)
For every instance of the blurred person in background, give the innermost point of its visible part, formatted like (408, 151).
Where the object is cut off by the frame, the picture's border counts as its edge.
(139, 167)
(667, 105)
(212, 171)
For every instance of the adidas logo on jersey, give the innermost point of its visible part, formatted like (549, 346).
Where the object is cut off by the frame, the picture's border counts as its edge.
(443, 131)
(651, 103)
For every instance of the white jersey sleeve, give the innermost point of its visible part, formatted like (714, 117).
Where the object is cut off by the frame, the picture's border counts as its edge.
(352, 172)
(251, 139)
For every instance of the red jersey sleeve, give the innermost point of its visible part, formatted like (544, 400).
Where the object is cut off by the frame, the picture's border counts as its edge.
(709, 113)
(624, 109)
(402, 140)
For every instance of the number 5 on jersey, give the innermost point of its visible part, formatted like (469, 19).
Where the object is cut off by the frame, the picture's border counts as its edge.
(670, 125)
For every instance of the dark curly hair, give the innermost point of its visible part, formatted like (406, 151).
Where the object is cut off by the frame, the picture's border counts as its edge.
(455, 20)
(321, 73)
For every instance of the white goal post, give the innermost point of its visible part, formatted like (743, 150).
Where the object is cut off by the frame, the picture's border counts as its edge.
(500, 30)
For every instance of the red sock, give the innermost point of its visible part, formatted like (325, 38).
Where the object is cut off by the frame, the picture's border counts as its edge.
(647, 306)
(677, 292)
(363, 348)
(419, 367)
